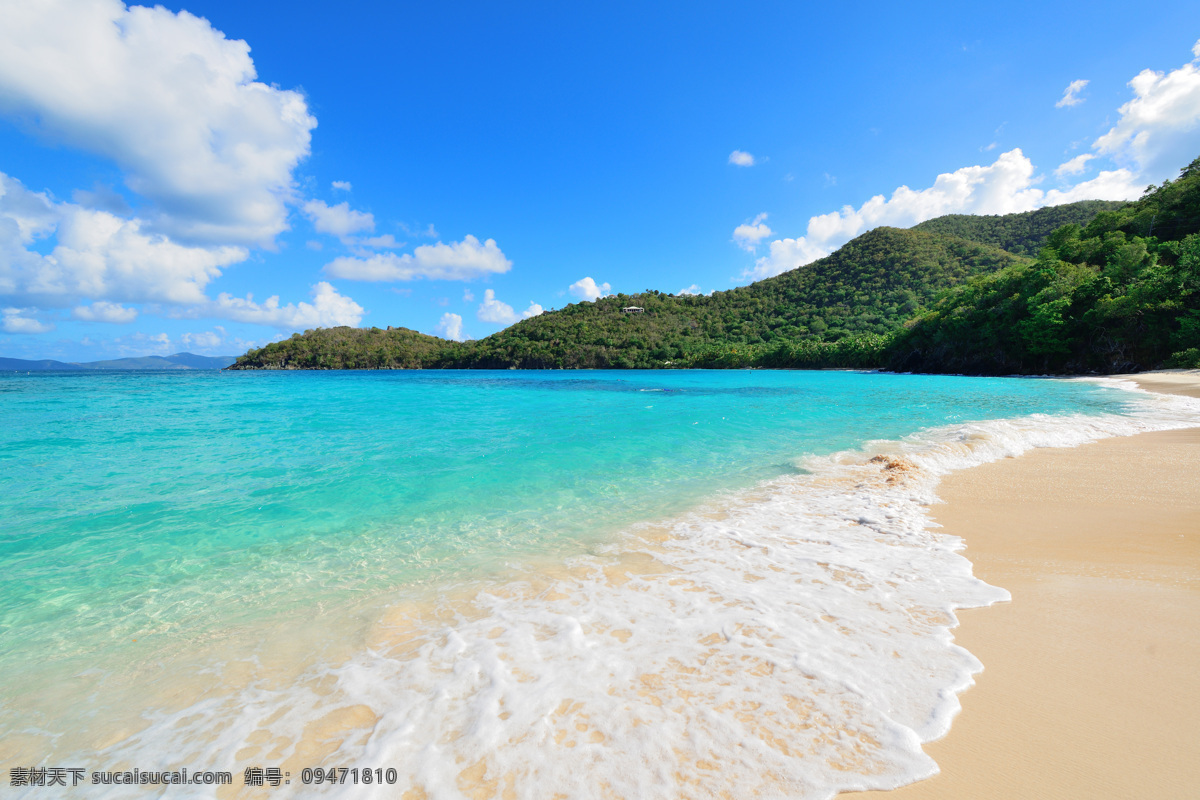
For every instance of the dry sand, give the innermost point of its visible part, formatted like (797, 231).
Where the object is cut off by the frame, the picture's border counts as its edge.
(1091, 687)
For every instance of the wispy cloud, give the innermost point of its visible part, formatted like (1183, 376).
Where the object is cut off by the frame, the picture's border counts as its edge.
(741, 158)
(1071, 94)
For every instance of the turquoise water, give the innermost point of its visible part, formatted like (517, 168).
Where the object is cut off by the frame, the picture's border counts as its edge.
(160, 507)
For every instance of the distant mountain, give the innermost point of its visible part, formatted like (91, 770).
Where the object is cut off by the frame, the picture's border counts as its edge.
(177, 361)
(43, 365)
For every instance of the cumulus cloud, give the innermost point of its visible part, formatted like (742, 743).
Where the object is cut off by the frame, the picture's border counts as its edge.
(468, 296)
(1159, 128)
(328, 309)
(1071, 94)
(493, 310)
(741, 158)
(587, 289)
(1074, 166)
(458, 261)
(14, 320)
(749, 234)
(694, 289)
(1007, 186)
(1115, 184)
(339, 220)
(343, 186)
(450, 326)
(98, 255)
(104, 311)
(786, 254)
(171, 101)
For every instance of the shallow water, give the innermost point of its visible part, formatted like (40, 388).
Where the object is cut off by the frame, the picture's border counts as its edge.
(600, 583)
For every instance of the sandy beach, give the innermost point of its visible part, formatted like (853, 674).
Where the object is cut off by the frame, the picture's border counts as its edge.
(1090, 687)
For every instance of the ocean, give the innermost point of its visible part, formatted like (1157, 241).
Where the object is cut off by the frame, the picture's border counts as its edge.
(598, 584)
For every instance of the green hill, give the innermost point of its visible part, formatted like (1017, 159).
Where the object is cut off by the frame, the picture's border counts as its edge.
(869, 286)
(1022, 234)
(348, 348)
(837, 311)
(1121, 294)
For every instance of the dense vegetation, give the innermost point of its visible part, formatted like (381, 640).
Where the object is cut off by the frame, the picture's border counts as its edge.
(1121, 294)
(845, 310)
(347, 348)
(1022, 234)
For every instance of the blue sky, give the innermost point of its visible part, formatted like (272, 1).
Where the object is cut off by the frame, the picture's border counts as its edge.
(452, 167)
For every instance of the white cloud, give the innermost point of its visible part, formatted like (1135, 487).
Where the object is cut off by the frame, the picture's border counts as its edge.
(15, 321)
(428, 232)
(587, 289)
(339, 220)
(98, 255)
(450, 326)
(694, 289)
(493, 310)
(1075, 166)
(169, 99)
(787, 254)
(342, 185)
(143, 344)
(458, 261)
(104, 311)
(328, 309)
(1117, 184)
(741, 158)
(468, 296)
(749, 234)
(385, 241)
(1159, 128)
(1007, 186)
(204, 340)
(1071, 94)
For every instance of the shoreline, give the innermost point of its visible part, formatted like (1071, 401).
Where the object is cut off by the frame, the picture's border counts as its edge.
(1089, 687)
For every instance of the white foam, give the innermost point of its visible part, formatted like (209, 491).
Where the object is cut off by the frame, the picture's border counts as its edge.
(789, 641)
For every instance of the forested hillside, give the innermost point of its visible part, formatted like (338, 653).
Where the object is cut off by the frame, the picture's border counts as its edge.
(1121, 294)
(348, 348)
(870, 286)
(841, 310)
(1021, 234)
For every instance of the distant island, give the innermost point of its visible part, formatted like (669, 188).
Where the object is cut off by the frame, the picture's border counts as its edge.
(1088, 287)
(176, 362)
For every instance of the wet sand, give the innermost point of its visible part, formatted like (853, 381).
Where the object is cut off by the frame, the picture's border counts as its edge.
(1091, 686)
